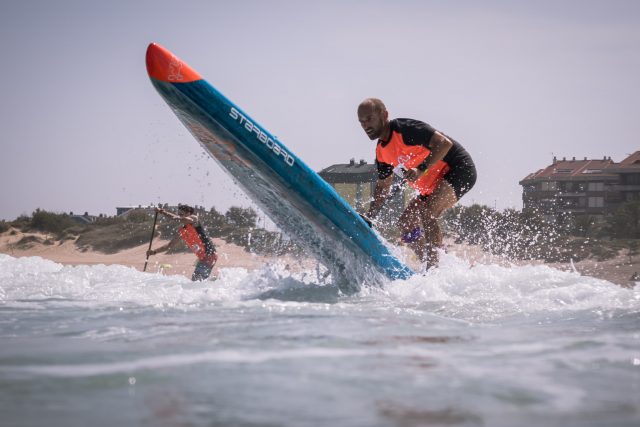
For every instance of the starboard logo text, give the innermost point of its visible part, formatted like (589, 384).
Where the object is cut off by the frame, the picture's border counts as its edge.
(175, 70)
(262, 137)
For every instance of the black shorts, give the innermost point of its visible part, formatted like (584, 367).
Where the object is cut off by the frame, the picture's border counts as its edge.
(462, 178)
(202, 271)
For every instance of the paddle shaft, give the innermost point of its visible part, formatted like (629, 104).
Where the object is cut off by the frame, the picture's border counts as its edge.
(153, 230)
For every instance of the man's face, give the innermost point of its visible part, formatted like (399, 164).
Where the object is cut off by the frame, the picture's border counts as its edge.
(372, 120)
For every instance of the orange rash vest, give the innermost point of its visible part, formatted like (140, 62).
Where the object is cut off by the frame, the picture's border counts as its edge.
(407, 147)
(198, 242)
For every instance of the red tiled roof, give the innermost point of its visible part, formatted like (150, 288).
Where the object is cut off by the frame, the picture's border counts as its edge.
(572, 168)
(632, 160)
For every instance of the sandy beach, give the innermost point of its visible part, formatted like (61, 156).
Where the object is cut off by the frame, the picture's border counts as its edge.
(66, 253)
(617, 270)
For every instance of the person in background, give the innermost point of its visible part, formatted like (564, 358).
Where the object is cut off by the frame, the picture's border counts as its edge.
(193, 234)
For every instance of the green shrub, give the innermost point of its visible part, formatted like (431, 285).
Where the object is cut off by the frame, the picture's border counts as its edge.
(50, 222)
(4, 226)
(27, 242)
(22, 223)
(113, 238)
(139, 216)
(238, 237)
(269, 243)
(215, 223)
(104, 221)
(624, 222)
(241, 217)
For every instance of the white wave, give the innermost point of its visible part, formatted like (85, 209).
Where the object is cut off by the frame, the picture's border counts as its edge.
(456, 289)
(485, 292)
(27, 281)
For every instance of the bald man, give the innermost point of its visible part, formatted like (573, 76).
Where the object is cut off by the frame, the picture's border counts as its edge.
(436, 166)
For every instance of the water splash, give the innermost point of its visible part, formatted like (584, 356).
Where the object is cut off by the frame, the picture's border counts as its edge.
(455, 290)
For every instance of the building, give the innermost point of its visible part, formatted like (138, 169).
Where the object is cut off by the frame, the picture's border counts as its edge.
(84, 219)
(582, 187)
(628, 186)
(124, 211)
(356, 181)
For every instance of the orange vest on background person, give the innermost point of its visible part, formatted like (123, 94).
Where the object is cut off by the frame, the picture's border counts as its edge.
(396, 152)
(198, 243)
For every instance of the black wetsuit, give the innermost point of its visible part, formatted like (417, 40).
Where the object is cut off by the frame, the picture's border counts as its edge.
(462, 171)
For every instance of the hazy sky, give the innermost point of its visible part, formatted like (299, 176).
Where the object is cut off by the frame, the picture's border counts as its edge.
(82, 129)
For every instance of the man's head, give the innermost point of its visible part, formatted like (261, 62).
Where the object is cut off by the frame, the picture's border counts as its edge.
(373, 117)
(185, 210)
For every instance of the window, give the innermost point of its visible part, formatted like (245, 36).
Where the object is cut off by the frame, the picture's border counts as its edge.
(632, 179)
(547, 203)
(596, 186)
(596, 202)
(549, 186)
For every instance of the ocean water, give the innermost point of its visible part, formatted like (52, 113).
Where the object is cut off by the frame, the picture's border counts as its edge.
(460, 346)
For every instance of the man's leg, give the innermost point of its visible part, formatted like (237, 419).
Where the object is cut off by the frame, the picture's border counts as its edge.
(411, 227)
(431, 208)
(202, 271)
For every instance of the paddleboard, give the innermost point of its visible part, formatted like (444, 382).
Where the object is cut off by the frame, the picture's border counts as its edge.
(294, 196)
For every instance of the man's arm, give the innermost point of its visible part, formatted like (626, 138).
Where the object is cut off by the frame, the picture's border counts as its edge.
(189, 219)
(166, 247)
(380, 194)
(439, 146)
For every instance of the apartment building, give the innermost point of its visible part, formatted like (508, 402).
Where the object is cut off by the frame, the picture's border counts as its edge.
(582, 187)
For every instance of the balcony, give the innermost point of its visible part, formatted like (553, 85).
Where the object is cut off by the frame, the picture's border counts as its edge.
(572, 209)
(626, 187)
(572, 194)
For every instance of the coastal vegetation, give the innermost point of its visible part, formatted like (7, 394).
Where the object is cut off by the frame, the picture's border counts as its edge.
(113, 234)
(527, 235)
(510, 233)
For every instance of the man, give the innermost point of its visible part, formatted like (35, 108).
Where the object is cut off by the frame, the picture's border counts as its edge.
(192, 233)
(436, 166)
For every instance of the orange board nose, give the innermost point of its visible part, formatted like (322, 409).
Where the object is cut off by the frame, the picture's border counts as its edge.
(164, 65)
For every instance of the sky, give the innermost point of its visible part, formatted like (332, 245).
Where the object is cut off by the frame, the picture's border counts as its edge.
(516, 82)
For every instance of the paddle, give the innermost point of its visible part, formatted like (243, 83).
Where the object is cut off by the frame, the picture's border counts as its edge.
(153, 230)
